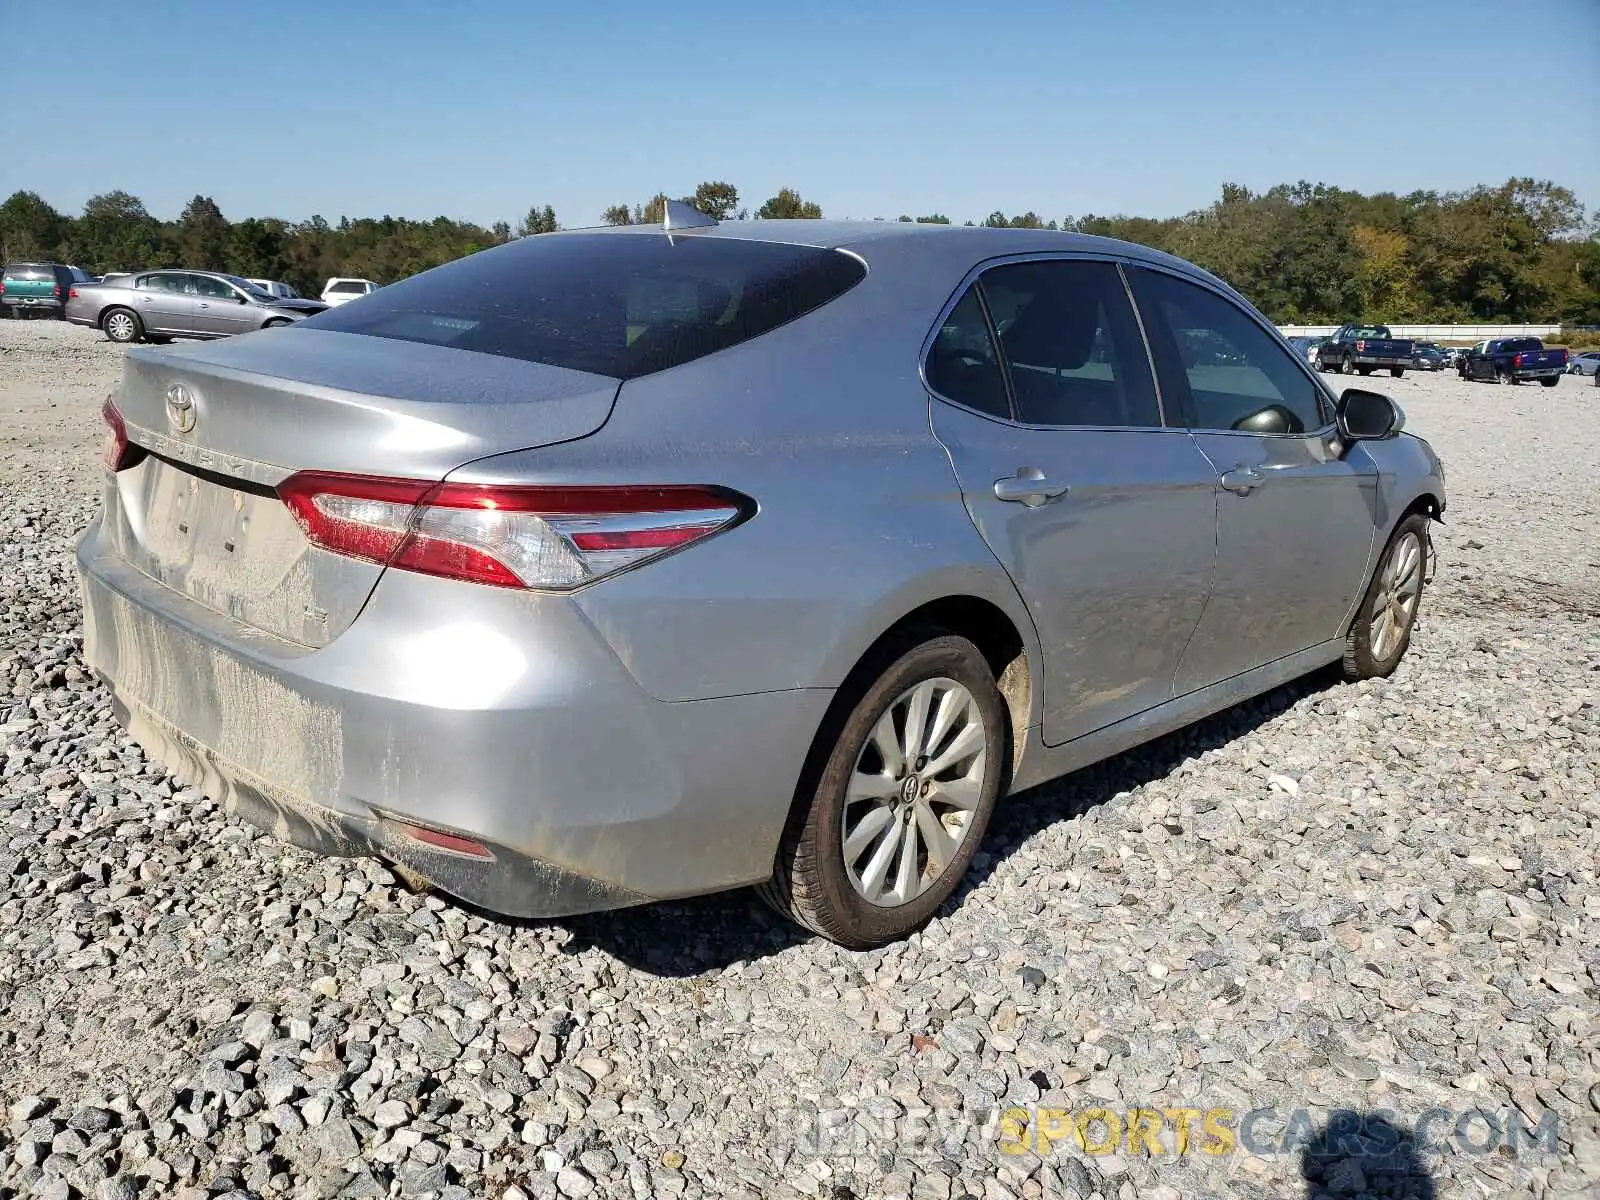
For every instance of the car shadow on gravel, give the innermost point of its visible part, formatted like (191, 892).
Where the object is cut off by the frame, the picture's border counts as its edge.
(1357, 1154)
(682, 938)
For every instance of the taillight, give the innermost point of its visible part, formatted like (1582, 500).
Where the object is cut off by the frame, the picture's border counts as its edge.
(116, 451)
(1517, 361)
(544, 537)
(56, 291)
(72, 293)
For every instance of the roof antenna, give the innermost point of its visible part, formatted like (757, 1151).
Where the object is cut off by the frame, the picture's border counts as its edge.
(679, 215)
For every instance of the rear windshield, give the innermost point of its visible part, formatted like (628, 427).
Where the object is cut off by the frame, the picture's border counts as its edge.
(621, 305)
(348, 287)
(1520, 345)
(29, 271)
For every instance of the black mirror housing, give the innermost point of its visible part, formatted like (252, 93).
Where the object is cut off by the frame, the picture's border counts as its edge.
(1368, 416)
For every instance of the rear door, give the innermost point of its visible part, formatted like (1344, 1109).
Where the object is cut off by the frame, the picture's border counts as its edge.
(1295, 520)
(1102, 514)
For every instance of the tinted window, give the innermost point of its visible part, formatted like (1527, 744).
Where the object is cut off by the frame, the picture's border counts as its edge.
(1071, 344)
(1521, 345)
(620, 305)
(1227, 371)
(962, 363)
(29, 271)
(160, 283)
(348, 289)
(214, 289)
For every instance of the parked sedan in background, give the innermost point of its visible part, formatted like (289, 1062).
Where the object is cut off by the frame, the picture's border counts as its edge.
(1428, 358)
(186, 304)
(493, 594)
(275, 287)
(1586, 363)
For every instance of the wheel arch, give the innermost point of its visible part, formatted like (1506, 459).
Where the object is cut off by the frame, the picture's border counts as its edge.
(1005, 640)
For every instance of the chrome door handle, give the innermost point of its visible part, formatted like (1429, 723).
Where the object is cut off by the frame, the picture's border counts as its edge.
(1242, 480)
(1028, 486)
(204, 304)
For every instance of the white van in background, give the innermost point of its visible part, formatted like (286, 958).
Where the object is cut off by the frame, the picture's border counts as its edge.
(339, 291)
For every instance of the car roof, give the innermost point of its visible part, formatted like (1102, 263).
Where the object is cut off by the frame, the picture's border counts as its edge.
(957, 247)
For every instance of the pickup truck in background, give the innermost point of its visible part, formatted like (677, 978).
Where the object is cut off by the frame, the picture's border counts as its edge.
(1513, 360)
(1363, 349)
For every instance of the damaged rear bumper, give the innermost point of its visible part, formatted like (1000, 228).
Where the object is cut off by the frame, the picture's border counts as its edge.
(481, 713)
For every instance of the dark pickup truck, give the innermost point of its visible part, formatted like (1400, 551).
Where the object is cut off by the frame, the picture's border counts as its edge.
(1363, 349)
(1513, 360)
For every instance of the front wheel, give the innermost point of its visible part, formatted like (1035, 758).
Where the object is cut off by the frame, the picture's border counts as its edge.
(122, 326)
(883, 833)
(1381, 630)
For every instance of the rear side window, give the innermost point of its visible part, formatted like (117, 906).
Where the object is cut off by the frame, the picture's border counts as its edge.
(1072, 345)
(29, 273)
(1521, 345)
(621, 305)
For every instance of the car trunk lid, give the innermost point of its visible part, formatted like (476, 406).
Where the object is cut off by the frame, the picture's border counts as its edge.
(224, 423)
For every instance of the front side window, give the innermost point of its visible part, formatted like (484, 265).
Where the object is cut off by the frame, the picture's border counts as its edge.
(1227, 371)
(1072, 345)
(212, 289)
(962, 363)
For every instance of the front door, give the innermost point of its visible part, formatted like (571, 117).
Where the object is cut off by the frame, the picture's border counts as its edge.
(1102, 514)
(220, 309)
(164, 302)
(1295, 520)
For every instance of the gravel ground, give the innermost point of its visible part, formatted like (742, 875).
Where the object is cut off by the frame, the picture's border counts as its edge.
(1377, 898)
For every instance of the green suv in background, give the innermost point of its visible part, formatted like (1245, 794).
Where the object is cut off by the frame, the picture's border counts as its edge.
(27, 288)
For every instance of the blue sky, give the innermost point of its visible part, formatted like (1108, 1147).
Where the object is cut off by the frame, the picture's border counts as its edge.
(478, 108)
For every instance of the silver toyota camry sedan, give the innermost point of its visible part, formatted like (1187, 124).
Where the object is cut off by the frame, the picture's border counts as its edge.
(610, 566)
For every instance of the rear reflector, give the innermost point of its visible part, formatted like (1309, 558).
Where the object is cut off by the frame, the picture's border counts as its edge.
(539, 537)
(440, 840)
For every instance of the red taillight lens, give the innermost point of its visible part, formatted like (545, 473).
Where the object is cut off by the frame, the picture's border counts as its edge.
(1517, 361)
(72, 293)
(547, 538)
(56, 291)
(116, 451)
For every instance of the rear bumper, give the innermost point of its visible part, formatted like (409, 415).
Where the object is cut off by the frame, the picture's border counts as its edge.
(497, 716)
(1524, 373)
(44, 304)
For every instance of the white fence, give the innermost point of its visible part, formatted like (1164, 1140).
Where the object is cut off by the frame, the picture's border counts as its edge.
(1435, 333)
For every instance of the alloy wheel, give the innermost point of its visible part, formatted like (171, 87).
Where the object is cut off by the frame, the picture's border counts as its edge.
(911, 798)
(1395, 605)
(120, 327)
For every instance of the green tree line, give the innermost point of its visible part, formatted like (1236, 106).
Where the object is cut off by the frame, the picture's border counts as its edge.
(1521, 251)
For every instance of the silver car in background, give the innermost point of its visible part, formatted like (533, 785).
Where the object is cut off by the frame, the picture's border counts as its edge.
(609, 566)
(182, 304)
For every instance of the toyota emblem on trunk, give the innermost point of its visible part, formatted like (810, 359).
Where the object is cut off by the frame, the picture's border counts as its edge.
(180, 408)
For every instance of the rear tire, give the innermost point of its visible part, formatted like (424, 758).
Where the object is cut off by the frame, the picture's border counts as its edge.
(1381, 631)
(853, 782)
(1347, 367)
(1505, 377)
(1552, 381)
(122, 325)
(1397, 371)
(1365, 371)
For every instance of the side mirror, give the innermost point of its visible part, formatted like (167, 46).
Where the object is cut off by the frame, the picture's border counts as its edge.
(1368, 416)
